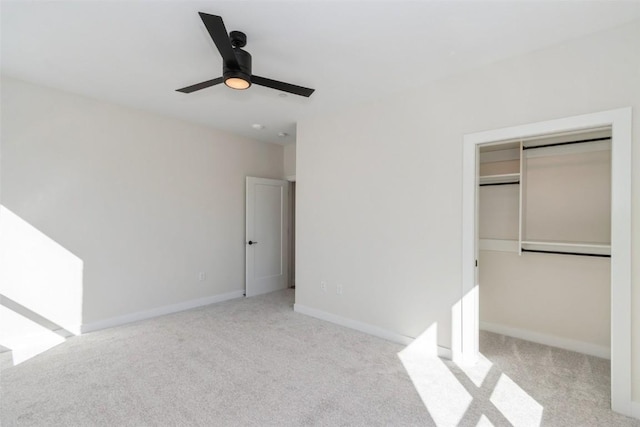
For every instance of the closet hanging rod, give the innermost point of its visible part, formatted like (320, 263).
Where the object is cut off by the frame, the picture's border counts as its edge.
(555, 144)
(566, 253)
(500, 183)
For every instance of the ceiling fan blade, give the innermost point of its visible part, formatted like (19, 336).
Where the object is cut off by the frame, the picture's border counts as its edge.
(220, 37)
(202, 85)
(284, 87)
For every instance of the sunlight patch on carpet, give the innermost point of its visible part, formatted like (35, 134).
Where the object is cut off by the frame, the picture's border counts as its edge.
(516, 404)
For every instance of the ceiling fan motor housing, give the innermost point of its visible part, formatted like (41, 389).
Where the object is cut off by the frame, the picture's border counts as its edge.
(238, 39)
(244, 61)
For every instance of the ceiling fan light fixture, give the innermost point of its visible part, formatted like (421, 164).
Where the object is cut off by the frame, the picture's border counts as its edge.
(239, 76)
(237, 83)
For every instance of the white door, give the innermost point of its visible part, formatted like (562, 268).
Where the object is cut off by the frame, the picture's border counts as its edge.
(266, 238)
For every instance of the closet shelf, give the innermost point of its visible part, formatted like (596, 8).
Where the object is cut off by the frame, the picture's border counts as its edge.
(575, 248)
(507, 178)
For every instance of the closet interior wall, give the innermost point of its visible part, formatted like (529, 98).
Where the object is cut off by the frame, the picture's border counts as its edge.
(554, 198)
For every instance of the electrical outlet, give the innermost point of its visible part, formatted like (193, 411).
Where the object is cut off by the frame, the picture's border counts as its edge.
(323, 286)
(339, 289)
(202, 276)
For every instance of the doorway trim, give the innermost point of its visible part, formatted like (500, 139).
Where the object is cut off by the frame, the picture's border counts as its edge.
(254, 234)
(465, 347)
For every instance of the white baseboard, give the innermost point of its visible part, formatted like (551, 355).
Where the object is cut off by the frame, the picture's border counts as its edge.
(363, 327)
(67, 334)
(550, 340)
(445, 353)
(160, 311)
(353, 324)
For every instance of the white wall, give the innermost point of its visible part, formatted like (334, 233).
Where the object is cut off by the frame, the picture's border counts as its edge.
(556, 296)
(379, 187)
(568, 198)
(146, 202)
(290, 160)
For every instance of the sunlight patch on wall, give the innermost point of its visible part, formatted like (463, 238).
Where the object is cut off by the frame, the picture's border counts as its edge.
(40, 285)
(24, 337)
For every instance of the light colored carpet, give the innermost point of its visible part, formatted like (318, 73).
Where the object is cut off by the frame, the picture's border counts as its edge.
(256, 362)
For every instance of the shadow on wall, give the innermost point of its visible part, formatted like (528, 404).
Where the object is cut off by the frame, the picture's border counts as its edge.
(40, 289)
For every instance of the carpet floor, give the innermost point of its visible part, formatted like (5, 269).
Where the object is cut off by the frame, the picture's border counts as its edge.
(255, 362)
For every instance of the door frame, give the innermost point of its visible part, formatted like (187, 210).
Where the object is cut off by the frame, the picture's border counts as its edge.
(465, 316)
(284, 224)
(291, 229)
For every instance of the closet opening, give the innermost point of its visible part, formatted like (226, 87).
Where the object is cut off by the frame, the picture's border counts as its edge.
(544, 228)
(546, 240)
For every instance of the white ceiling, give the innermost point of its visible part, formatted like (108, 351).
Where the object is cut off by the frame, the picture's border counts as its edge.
(136, 53)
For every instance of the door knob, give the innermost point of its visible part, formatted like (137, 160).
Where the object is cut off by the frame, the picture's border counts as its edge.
(252, 243)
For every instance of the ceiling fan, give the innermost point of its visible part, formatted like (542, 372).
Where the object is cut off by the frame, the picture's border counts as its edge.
(236, 62)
